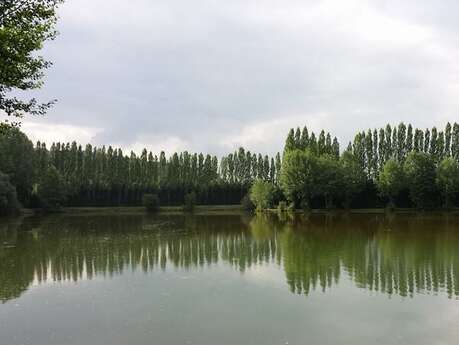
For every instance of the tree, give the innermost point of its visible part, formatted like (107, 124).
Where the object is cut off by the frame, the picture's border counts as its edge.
(290, 141)
(420, 177)
(329, 179)
(353, 177)
(391, 180)
(298, 176)
(8, 198)
(261, 194)
(448, 180)
(51, 190)
(17, 160)
(25, 25)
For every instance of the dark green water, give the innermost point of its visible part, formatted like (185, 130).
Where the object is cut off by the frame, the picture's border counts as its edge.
(229, 280)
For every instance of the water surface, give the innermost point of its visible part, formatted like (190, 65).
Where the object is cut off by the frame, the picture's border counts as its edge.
(229, 279)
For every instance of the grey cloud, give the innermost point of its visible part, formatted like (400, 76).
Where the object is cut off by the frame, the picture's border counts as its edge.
(201, 71)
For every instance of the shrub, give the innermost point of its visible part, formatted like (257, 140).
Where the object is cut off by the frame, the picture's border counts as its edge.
(151, 202)
(261, 194)
(189, 202)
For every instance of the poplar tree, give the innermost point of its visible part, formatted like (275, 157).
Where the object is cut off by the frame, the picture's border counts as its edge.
(455, 142)
(448, 140)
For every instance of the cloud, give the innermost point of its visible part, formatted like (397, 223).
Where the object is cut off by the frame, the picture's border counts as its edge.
(214, 75)
(262, 135)
(49, 133)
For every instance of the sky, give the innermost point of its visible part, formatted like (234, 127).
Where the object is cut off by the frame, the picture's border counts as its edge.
(211, 76)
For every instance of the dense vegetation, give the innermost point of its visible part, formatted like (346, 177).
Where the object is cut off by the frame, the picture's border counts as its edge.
(395, 166)
(400, 165)
(67, 174)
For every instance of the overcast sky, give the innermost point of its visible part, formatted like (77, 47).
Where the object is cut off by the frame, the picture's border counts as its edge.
(213, 75)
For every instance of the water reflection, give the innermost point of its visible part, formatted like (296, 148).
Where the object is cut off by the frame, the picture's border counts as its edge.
(402, 255)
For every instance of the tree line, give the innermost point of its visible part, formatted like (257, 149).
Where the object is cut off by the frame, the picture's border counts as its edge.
(392, 166)
(395, 166)
(68, 174)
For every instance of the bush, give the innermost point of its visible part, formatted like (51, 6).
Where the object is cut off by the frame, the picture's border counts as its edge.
(8, 198)
(247, 204)
(189, 202)
(261, 194)
(151, 202)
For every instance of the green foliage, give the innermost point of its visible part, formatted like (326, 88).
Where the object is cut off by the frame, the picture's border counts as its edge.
(189, 202)
(25, 25)
(51, 190)
(353, 177)
(298, 176)
(312, 170)
(8, 199)
(448, 180)
(329, 179)
(17, 158)
(261, 194)
(420, 173)
(151, 202)
(391, 180)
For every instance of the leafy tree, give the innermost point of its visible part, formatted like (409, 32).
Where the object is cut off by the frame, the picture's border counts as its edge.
(329, 179)
(261, 194)
(448, 180)
(298, 176)
(420, 176)
(290, 141)
(353, 177)
(17, 160)
(391, 180)
(304, 138)
(8, 199)
(51, 190)
(25, 25)
(448, 140)
(455, 142)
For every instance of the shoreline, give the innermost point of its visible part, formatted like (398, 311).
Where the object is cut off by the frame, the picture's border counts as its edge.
(223, 209)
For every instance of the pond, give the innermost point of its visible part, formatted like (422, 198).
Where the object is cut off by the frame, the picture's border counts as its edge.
(229, 279)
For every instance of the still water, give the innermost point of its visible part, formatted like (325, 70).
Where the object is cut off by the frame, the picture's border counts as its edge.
(229, 279)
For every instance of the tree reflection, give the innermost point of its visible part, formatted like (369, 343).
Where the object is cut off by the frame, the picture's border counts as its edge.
(403, 255)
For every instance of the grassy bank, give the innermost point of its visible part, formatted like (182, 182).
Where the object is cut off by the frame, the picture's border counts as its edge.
(201, 209)
(223, 209)
(372, 211)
